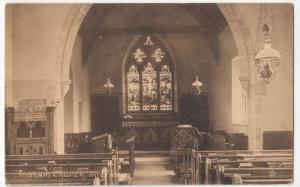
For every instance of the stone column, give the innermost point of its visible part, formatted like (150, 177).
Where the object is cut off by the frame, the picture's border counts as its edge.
(251, 108)
(50, 133)
(9, 134)
(257, 89)
(58, 127)
(260, 93)
(59, 136)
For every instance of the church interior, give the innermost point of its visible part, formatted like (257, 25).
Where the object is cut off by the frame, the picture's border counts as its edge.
(106, 94)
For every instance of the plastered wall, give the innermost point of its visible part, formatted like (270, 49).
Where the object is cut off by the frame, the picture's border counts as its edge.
(35, 31)
(77, 101)
(220, 83)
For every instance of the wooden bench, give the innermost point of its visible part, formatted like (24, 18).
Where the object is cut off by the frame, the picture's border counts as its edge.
(131, 156)
(203, 163)
(101, 143)
(70, 169)
(181, 162)
(126, 150)
(258, 175)
(185, 161)
(184, 139)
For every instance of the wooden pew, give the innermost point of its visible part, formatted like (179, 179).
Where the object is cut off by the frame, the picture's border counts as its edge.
(258, 175)
(70, 169)
(131, 148)
(127, 158)
(203, 162)
(184, 139)
(101, 143)
(182, 165)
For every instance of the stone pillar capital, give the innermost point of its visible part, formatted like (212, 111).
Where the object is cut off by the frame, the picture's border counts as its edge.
(65, 86)
(245, 82)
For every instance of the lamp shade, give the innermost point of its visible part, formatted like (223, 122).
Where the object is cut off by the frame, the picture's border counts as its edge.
(197, 83)
(267, 53)
(108, 84)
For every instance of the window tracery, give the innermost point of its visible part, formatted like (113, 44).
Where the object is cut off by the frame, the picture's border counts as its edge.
(149, 78)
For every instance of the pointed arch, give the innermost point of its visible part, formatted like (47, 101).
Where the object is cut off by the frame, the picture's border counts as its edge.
(160, 58)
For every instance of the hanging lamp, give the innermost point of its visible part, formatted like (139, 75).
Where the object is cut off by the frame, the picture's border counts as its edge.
(267, 58)
(197, 85)
(108, 85)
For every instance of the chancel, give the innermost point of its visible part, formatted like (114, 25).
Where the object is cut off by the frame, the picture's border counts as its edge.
(108, 94)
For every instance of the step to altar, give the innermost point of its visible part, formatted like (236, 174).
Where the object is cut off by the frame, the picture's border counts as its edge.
(157, 153)
(152, 160)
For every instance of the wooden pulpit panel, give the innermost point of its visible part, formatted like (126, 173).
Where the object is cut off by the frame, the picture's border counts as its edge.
(29, 128)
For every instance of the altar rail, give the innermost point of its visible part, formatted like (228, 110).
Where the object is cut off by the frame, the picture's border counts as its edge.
(70, 169)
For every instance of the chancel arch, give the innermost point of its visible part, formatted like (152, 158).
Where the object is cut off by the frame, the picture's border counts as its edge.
(235, 21)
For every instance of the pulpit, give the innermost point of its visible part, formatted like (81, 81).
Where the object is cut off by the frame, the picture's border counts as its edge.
(29, 128)
(184, 137)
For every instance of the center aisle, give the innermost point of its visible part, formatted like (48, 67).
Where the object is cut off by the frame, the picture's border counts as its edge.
(153, 173)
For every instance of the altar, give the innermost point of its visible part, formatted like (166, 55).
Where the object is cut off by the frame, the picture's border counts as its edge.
(151, 133)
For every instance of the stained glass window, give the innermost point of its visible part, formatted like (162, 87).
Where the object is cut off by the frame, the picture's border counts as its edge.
(133, 79)
(149, 88)
(165, 88)
(149, 77)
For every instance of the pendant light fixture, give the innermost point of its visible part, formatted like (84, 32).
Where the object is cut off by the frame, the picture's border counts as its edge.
(108, 85)
(197, 85)
(267, 58)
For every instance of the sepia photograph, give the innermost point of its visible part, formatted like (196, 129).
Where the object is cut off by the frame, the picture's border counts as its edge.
(148, 93)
